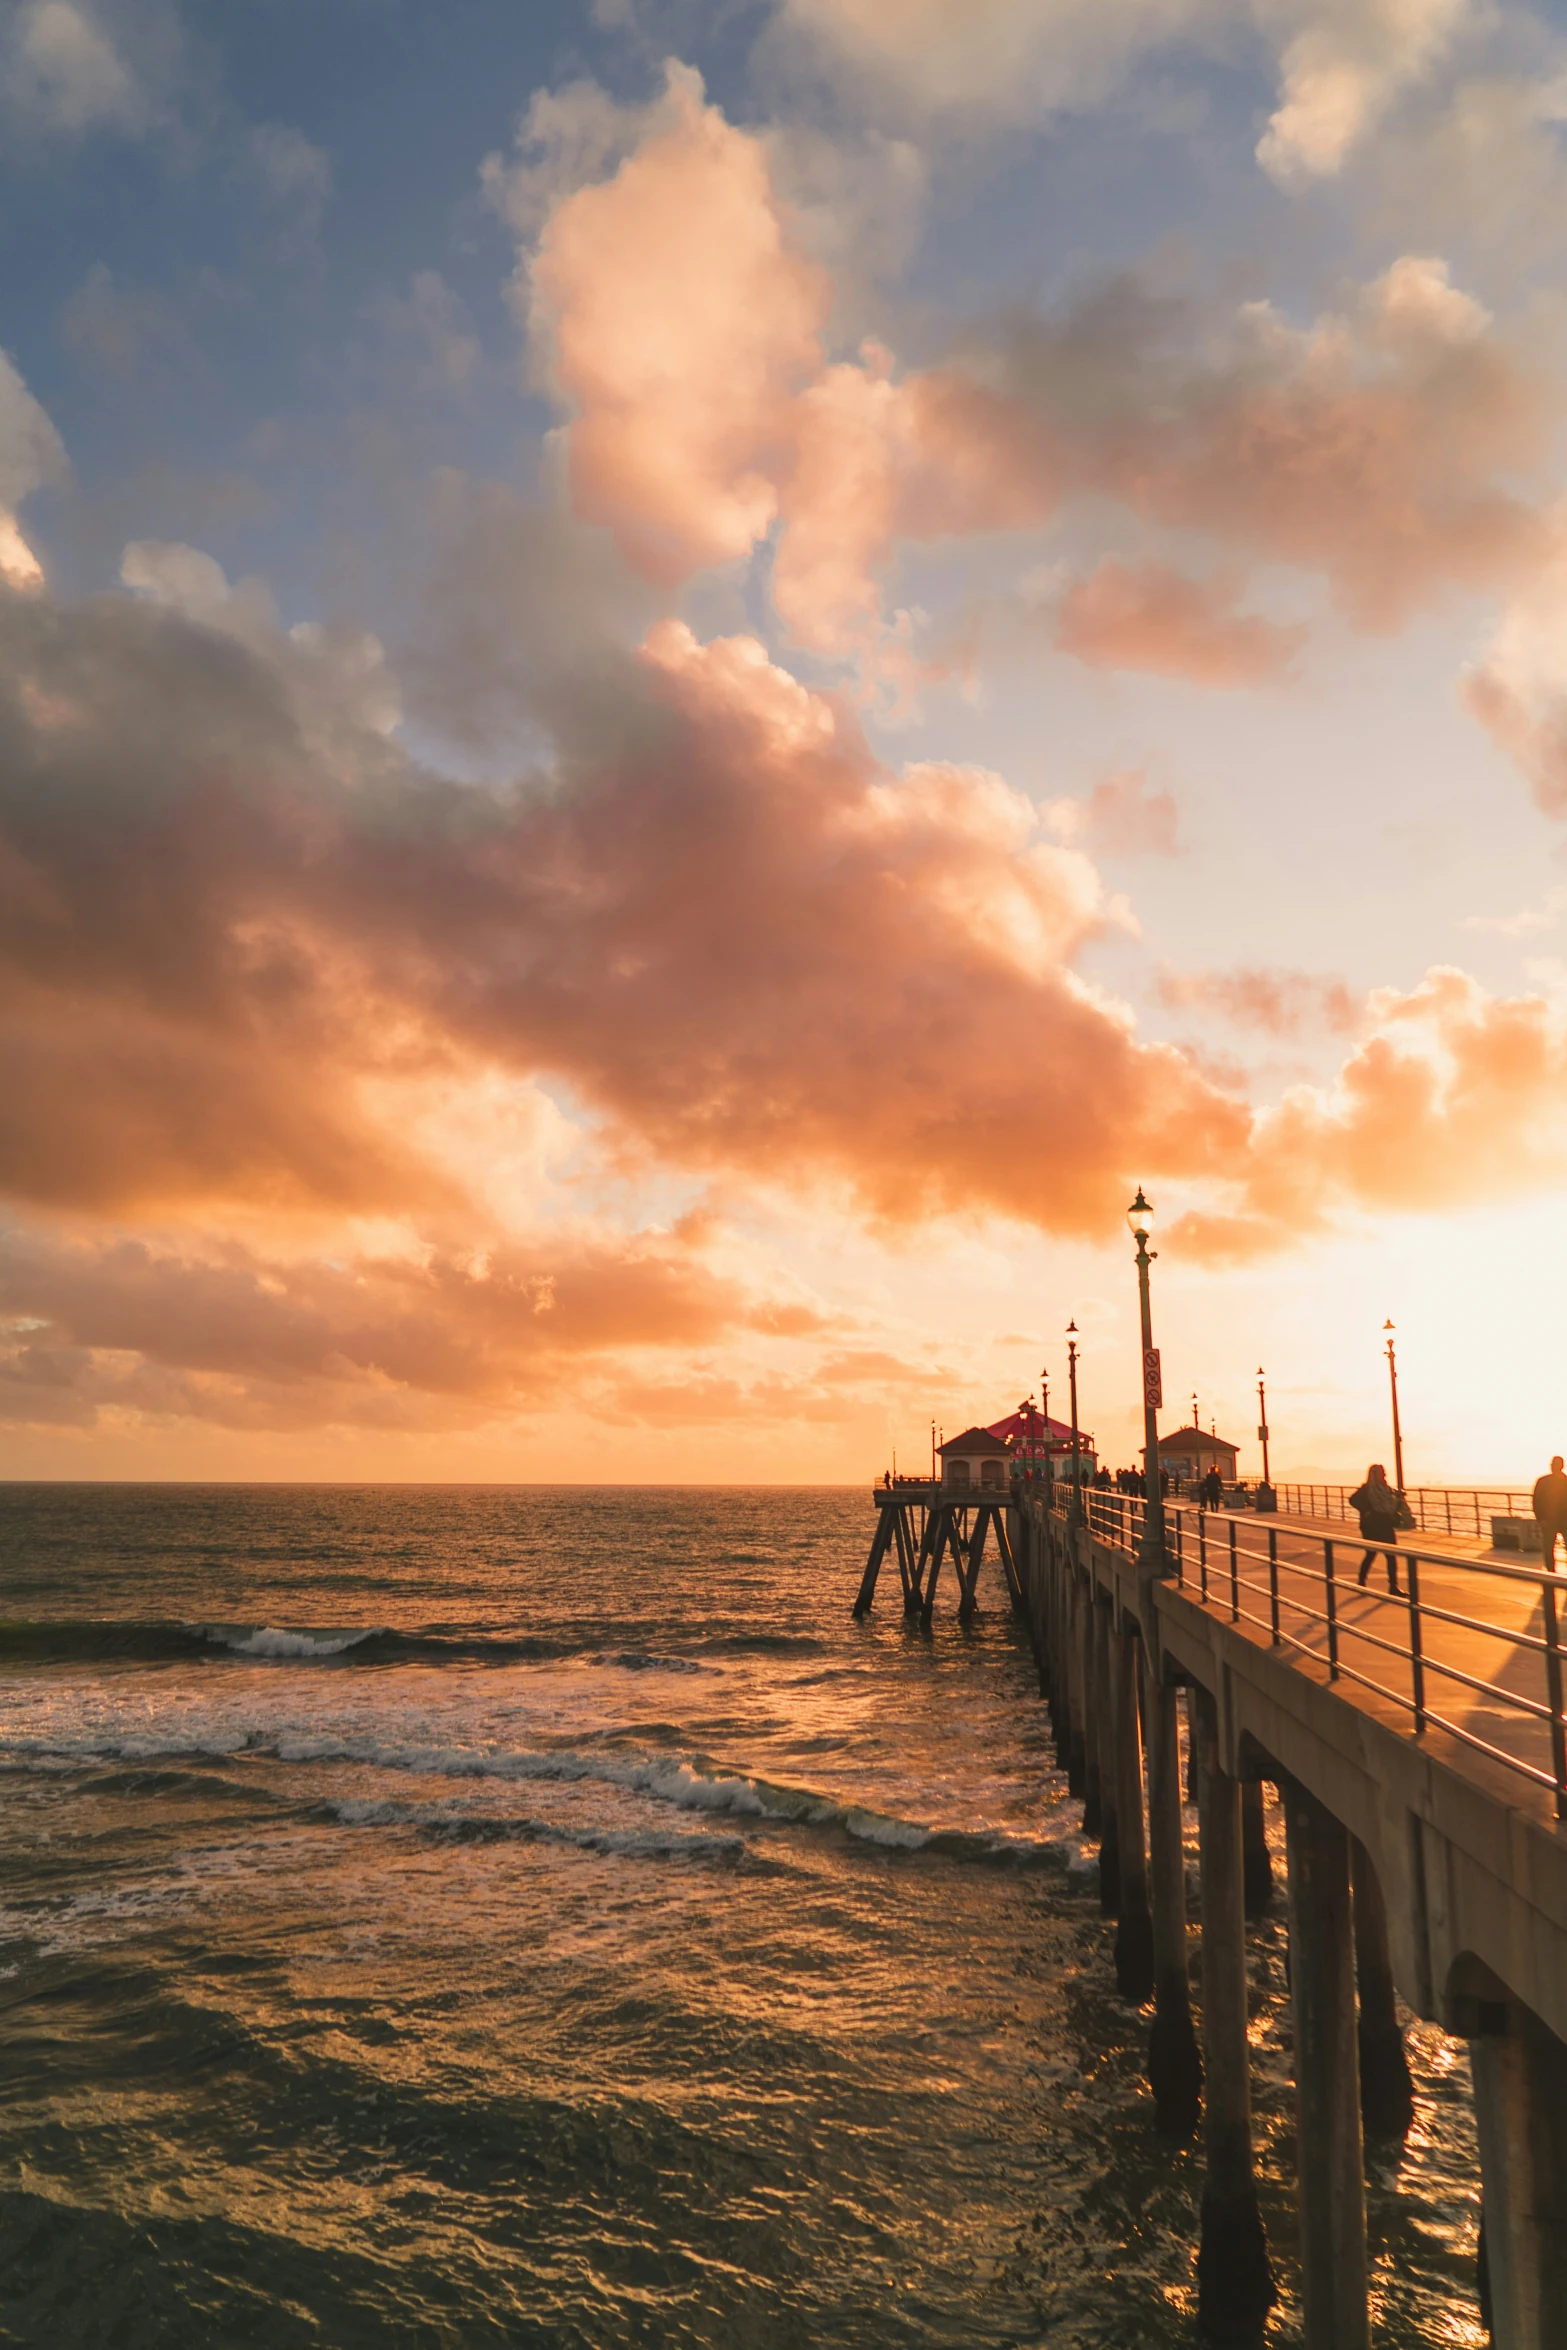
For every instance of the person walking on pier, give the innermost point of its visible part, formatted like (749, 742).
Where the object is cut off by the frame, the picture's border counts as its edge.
(1377, 1506)
(1550, 1511)
(1213, 1491)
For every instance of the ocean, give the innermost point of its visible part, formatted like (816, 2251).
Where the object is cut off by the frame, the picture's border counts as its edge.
(510, 1915)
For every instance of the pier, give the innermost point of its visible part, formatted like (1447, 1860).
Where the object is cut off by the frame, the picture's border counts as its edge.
(1416, 1743)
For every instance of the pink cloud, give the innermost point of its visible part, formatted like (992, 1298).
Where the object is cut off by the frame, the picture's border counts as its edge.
(1151, 617)
(1122, 817)
(1281, 1003)
(680, 324)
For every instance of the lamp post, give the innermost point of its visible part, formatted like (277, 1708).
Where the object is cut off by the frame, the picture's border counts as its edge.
(1262, 1426)
(1139, 1217)
(1398, 1434)
(1071, 1372)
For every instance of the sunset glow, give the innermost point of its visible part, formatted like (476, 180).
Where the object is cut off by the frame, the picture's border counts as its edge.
(652, 751)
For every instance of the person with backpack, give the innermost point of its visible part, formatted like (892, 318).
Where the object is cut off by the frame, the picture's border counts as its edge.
(1376, 1504)
(1550, 1511)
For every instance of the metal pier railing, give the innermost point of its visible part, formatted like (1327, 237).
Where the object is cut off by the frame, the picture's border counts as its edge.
(1467, 1646)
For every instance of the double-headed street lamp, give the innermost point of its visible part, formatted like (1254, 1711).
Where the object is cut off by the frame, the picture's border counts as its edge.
(1139, 1217)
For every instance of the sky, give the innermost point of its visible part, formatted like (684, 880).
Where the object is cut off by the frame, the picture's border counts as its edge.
(681, 680)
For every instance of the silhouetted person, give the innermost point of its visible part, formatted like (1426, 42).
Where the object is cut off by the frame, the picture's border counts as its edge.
(1377, 1505)
(1212, 1491)
(1550, 1510)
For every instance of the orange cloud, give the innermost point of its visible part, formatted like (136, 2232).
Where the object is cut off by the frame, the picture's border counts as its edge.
(740, 940)
(1281, 1003)
(158, 1328)
(1149, 616)
(1456, 1098)
(1121, 817)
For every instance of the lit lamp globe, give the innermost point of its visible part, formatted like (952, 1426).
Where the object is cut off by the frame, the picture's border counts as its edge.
(1139, 1217)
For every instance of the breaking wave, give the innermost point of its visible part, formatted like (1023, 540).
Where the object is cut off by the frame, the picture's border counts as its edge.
(688, 1783)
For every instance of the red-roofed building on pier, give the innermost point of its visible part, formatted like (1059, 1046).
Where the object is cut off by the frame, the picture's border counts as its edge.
(1032, 1440)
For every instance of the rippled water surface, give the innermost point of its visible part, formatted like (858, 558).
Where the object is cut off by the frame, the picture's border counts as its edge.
(443, 1916)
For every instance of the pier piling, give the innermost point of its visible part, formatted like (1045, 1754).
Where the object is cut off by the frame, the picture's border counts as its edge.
(1235, 2287)
(1256, 1858)
(1174, 2065)
(1134, 1974)
(1387, 2095)
(1102, 1730)
(1085, 1746)
(1327, 2077)
(1520, 2089)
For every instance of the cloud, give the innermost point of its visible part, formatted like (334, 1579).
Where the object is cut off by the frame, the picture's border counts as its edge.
(31, 455)
(1518, 687)
(1342, 64)
(1148, 616)
(1380, 447)
(19, 566)
(251, 958)
(1343, 70)
(338, 677)
(679, 324)
(115, 327)
(565, 139)
(744, 944)
(1525, 922)
(430, 319)
(1121, 817)
(1281, 1003)
(63, 71)
(1455, 1097)
(294, 174)
(157, 1327)
(1011, 58)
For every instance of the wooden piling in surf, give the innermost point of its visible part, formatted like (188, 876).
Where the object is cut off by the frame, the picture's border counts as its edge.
(1174, 2063)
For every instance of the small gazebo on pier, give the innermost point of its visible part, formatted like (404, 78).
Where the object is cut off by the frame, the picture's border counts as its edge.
(1192, 1452)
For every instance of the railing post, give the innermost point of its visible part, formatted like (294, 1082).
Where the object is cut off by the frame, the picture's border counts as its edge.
(1180, 1549)
(1235, 1579)
(1330, 1609)
(1273, 1580)
(1553, 1684)
(1417, 1662)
